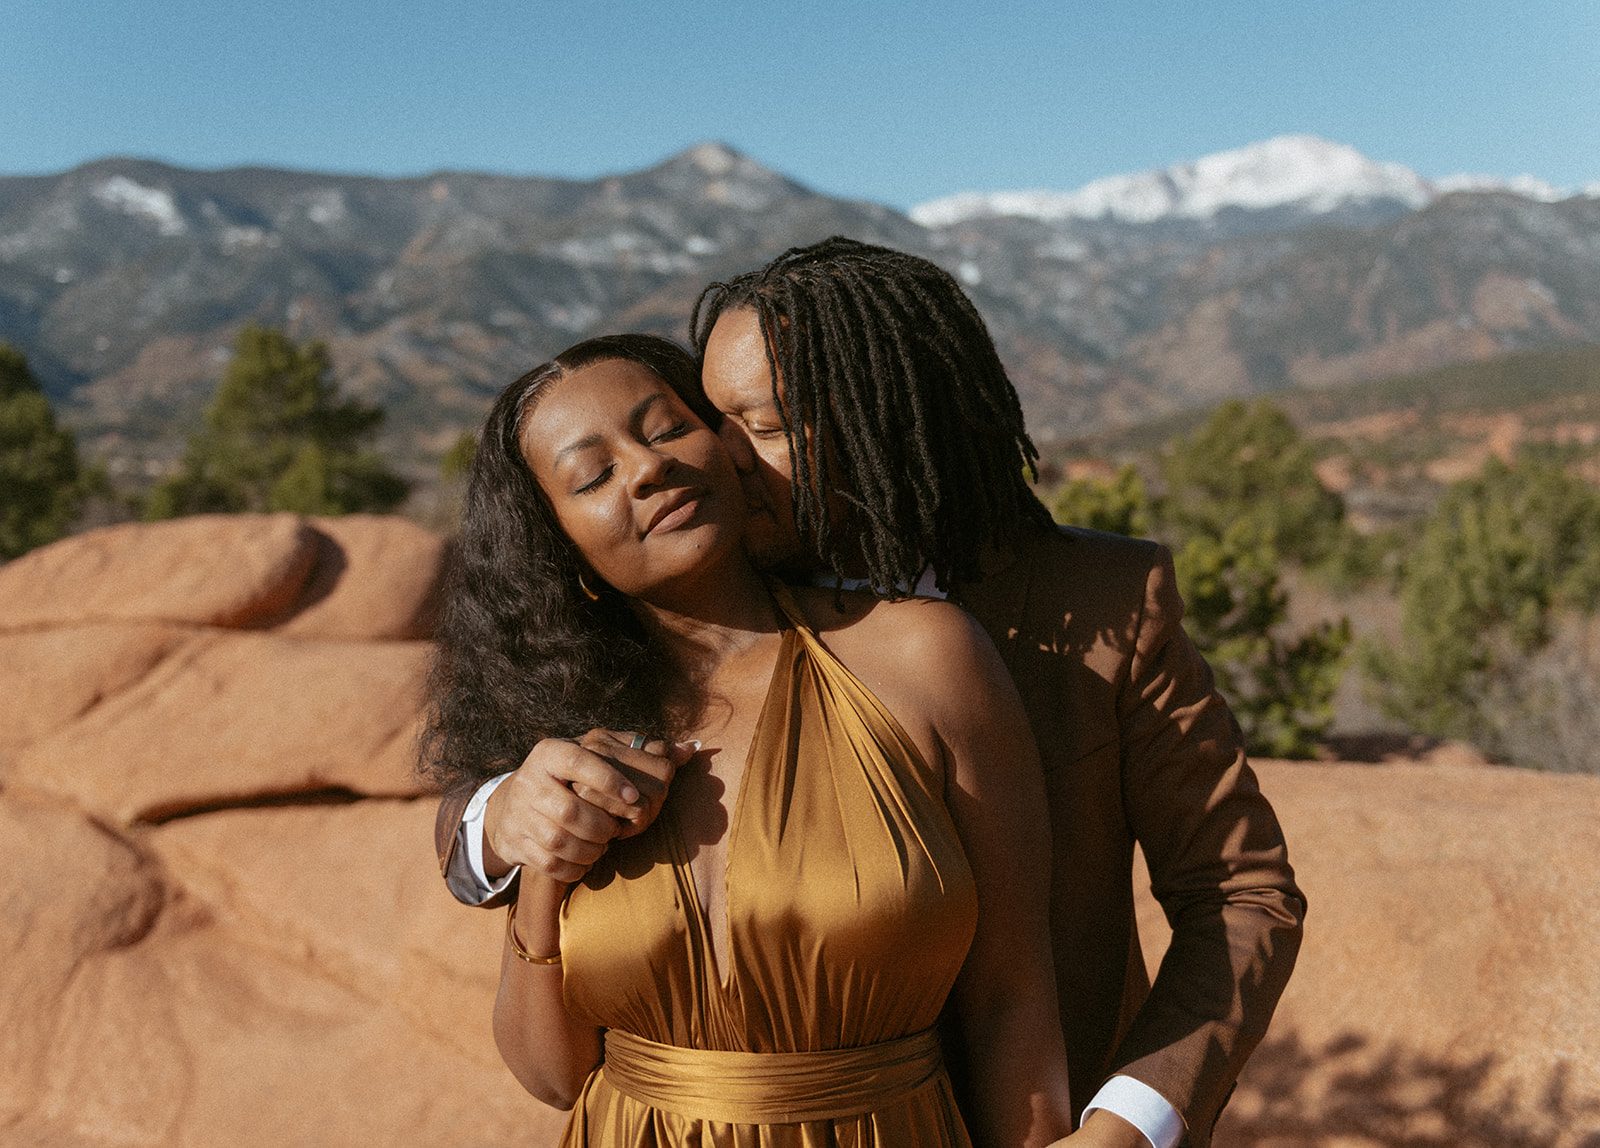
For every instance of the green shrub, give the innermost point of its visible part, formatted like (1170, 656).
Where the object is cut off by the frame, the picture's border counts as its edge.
(1280, 686)
(1226, 542)
(1503, 558)
(42, 485)
(1116, 507)
(1248, 463)
(276, 437)
(457, 461)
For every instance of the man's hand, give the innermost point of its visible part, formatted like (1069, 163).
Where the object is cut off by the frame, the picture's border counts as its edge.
(1104, 1129)
(569, 799)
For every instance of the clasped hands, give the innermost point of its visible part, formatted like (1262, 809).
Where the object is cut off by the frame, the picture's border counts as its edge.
(571, 797)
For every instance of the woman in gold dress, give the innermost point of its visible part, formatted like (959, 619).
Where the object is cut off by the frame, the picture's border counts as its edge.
(854, 832)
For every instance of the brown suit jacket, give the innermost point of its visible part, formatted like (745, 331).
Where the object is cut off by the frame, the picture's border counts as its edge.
(1137, 746)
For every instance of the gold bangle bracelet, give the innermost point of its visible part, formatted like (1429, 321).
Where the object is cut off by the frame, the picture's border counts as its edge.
(516, 946)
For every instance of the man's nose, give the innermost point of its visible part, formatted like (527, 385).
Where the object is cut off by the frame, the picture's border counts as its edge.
(737, 441)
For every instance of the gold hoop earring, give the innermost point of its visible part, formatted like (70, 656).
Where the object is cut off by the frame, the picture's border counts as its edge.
(584, 586)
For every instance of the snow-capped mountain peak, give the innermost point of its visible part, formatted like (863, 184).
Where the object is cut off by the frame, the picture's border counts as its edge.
(1300, 172)
(1293, 171)
(1527, 186)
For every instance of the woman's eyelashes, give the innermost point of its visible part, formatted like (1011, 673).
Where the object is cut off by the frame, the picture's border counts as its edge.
(675, 431)
(596, 482)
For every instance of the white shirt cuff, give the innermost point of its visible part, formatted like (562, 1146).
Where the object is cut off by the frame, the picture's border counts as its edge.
(1143, 1107)
(925, 587)
(465, 875)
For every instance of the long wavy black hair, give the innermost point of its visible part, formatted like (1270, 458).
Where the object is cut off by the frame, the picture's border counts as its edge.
(885, 360)
(523, 653)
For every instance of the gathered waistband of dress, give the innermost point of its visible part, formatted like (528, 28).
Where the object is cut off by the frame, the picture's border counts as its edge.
(769, 1087)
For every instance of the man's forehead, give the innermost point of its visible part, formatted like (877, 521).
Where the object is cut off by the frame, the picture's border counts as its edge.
(736, 373)
(738, 400)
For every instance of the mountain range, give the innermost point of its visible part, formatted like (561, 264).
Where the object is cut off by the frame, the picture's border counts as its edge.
(1292, 263)
(1315, 177)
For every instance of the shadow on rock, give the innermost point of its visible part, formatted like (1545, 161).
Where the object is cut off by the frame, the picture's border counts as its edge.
(1351, 1093)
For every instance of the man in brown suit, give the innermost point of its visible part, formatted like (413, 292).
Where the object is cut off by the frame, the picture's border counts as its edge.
(920, 486)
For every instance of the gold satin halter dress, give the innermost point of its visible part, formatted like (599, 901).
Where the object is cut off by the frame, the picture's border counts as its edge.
(850, 909)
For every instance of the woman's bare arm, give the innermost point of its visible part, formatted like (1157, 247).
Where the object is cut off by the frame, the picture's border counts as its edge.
(549, 1052)
(1006, 993)
(965, 708)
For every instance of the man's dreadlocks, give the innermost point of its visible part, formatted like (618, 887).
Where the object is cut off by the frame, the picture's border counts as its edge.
(895, 400)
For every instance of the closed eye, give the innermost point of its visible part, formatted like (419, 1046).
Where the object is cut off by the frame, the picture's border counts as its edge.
(596, 482)
(672, 432)
(757, 428)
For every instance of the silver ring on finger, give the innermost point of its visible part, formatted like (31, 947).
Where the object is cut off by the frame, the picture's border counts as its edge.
(637, 742)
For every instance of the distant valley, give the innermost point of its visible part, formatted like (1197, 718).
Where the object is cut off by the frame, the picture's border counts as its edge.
(1294, 264)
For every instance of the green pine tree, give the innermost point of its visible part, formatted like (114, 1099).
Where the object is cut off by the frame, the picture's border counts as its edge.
(1239, 491)
(1500, 560)
(277, 437)
(1248, 462)
(1279, 685)
(1242, 497)
(1117, 506)
(42, 485)
(457, 461)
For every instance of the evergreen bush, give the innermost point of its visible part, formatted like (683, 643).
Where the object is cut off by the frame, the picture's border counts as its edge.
(277, 437)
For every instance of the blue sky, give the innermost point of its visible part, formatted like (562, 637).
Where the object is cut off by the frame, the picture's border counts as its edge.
(886, 100)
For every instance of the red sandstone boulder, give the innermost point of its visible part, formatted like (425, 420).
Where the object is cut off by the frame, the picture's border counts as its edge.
(234, 718)
(69, 892)
(120, 687)
(53, 676)
(374, 577)
(313, 987)
(359, 576)
(219, 570)
(345, 881)
(1448, 991)
(272, 974)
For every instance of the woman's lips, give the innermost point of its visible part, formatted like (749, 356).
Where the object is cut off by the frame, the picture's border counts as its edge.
(674, 513)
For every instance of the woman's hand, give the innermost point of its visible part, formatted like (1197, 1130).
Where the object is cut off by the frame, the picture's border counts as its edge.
(571, 798)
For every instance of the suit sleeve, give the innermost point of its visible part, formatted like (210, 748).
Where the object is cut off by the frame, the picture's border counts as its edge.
(1218, 866)
(448, 844)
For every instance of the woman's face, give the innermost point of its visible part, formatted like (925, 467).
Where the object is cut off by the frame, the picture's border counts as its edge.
(642, 487)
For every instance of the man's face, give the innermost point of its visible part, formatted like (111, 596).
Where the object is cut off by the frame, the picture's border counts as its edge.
(738, 381)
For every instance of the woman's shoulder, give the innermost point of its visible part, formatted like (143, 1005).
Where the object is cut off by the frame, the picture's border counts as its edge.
(922, 631)
(927, 661)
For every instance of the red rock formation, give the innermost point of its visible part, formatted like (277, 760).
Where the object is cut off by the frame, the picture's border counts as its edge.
(209, 570)
(221, 923)
(220, 918)
(1448, 991)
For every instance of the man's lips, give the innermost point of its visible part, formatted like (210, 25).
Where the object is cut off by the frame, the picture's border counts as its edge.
(674, 510)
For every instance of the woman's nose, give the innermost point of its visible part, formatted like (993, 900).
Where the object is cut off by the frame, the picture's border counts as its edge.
(649, 466)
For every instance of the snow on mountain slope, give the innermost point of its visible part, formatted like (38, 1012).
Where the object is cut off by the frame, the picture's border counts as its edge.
(1296, 171)
(1527, 186)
